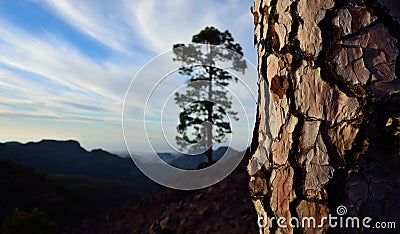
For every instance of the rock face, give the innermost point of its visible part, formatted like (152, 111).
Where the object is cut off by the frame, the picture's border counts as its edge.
(329, 94)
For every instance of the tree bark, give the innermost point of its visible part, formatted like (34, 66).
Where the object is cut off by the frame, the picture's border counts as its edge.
(327, 130)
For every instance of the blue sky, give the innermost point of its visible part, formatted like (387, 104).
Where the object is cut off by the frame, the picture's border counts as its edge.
(65, 66)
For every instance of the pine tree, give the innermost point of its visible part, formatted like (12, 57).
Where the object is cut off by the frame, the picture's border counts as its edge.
(206, 103)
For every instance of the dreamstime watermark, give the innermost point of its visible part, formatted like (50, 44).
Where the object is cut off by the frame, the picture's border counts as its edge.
(340, 221)
(151, 115)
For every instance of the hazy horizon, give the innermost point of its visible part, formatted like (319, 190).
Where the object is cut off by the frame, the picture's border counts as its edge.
(116, 151)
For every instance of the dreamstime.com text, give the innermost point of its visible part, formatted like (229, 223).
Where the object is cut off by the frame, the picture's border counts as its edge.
(332, 221)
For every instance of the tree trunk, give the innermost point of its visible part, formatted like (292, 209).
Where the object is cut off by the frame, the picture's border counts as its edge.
(327, 130)
(209, 125)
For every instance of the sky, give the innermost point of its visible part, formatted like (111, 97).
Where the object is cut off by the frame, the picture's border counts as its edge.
(66, 65)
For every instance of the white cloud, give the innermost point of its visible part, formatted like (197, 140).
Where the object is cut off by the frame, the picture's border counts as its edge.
(101, 20)
(46, 76)
(154, 25)
(51, 72)
(163, 23)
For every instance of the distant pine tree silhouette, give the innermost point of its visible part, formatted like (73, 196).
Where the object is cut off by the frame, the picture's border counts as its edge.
(199, 110)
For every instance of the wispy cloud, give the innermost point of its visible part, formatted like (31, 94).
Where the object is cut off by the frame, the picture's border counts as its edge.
(163, 23)
(47, 75)
(51, 71)
(153, 25)
(101, 20)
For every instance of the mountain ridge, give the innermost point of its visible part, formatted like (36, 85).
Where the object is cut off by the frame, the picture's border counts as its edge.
(68, 160)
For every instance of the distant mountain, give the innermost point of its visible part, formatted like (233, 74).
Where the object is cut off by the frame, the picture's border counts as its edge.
(169, 157)
(145, 157)
(81, 169)
(191, 162)
(179, 160)
(120, 153)
(107, 179)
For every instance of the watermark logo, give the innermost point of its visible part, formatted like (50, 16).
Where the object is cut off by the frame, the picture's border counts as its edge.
(341, 221)
(187, 101)
(341, 210)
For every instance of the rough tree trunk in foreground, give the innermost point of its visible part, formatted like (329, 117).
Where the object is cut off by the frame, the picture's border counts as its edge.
(327, 128)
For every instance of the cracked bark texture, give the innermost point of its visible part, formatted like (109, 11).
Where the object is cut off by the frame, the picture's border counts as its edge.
(327, 131)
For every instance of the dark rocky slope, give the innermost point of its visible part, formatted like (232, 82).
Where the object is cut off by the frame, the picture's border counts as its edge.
(223, 208)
